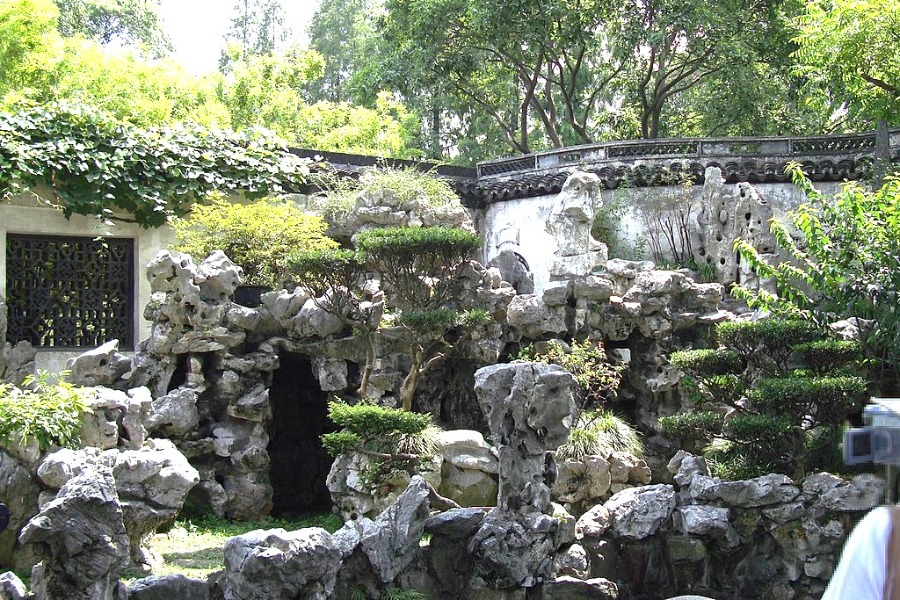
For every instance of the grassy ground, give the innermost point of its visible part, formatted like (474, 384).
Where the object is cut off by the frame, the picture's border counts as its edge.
(193, 546)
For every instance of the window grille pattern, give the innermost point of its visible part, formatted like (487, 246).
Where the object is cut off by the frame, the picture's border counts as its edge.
(69, 292)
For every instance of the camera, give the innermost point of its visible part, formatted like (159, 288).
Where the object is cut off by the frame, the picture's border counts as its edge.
(879, 441)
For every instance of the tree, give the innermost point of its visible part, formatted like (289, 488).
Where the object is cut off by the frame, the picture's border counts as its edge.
(419, 267)
(848, 53)
(37, 64)
(131, 23)
(530, 66)
(258, 236)
(557, 72)
(677, 46)
(335, 279)
(26, 38)
(269, 90)
(344, 32)
(792, 418)
(257, 28)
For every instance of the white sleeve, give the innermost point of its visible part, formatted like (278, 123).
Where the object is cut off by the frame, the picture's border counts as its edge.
(860, 573)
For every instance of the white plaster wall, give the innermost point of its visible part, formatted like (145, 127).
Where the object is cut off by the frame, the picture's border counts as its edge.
(29, 213)
(519, 225)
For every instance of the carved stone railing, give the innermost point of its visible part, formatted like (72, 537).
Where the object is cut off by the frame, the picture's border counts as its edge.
(664, 162)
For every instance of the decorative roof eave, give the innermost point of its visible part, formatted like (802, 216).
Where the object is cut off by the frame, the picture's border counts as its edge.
(646, 163)
(661, 162)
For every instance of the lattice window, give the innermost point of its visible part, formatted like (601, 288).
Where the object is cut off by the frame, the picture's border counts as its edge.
(69, 292)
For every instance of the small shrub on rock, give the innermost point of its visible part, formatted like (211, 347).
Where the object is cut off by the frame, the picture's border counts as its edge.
(47, 412)
(596, 378)
(258, 236)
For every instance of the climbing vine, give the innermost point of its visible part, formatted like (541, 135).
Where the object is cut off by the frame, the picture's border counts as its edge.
(97, 165)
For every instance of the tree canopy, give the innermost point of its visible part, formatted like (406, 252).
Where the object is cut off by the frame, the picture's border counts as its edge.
(133, 23)
(847, 50)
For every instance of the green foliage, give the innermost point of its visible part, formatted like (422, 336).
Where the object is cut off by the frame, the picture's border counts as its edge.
(733, 462)
(258, 236)
(130, 23)
(691, 425)
(45, 411)
(600, 432)
(790, 423)
(430, 322)
(42, 67)
(257, 26)
(98, 166)
(419, 263)
(596, 378)
(340, 442)
(766, 343)
(826, 356)
(844, 264)
(395, 593)
(407, 186)
(607, 226)
(372, 421)
(394, 439)
(847, 52)
(824, 400)
(755, 429)
(327, 271)
(708, 361)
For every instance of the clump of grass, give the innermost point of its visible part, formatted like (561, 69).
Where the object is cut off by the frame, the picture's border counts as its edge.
(600, 432)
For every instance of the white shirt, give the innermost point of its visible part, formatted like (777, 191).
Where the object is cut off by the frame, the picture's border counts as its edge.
(860, 573)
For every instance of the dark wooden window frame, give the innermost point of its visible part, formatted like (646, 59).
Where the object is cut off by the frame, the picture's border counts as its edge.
(70, 292)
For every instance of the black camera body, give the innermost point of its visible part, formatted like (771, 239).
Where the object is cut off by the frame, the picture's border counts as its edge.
(879, 441)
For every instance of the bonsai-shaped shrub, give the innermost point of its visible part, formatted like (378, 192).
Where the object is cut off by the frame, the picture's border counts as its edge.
(396, 440)
(843, 251)
(786, 411)
(47, 412)
(419, 268)
(596, 378)
(257, 236)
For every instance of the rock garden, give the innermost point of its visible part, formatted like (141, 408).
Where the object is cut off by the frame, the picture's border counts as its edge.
(628, 432)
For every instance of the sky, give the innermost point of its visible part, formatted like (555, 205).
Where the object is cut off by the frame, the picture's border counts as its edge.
(196, 28)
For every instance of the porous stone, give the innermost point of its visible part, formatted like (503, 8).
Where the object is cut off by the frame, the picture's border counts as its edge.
(19, 491)
(262, 565)
(103, 365)
(750, 493)
(570, 588)
(174, 413)
(169, 587)
(11, 587)
(573, 562)
(391, 541)
(152, 485)
(81, 537)
(701, 520)
(530, 409)
(637, 513)
(528, 316)
(863, 492)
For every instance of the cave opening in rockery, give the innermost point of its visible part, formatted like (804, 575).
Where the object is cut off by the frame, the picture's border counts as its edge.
(299, 464)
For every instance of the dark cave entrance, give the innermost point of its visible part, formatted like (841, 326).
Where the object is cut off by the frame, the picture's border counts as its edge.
(298, 463)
